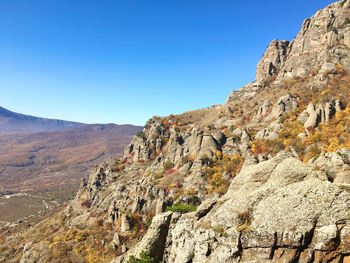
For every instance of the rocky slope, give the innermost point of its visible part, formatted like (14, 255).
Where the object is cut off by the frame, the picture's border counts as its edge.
(264, 177)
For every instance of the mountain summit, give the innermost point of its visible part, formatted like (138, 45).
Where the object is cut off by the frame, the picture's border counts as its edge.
(262, 178)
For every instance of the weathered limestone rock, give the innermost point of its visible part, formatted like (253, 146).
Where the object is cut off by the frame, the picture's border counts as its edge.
(116, 241)
(276, 211)
(263, 110)
(208, 146)
(266, 134)
(272, 60)
(328, 68)
(125, 225)
(230, 147)
(284, 105)
(35, 253)
(205, 207)
(153, 241)
(325, 238)
(335, 165)
(313, 115)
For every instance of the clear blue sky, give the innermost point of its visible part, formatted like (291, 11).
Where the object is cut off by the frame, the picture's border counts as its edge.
(123, 61)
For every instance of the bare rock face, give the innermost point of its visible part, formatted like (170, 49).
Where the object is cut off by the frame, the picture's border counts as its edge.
(263, 110)
(313, 115)
(321, 44)
(284, 105)
(153, 241)
(276, 211)
(336, 165)
(272, 60)
(266, 111)
(35, 253)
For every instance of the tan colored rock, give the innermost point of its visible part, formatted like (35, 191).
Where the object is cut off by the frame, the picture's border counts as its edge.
(335, 165)
(125, 225)
(279, 203)
(313, 115)
(284, 105)
(272, 60)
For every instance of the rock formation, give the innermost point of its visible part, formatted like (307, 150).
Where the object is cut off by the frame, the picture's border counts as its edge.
(264, 177)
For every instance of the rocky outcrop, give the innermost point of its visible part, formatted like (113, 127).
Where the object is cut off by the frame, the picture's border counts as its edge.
(277, 211)
(35, 253)
(336, 165)
(274, 57)
(313, 115)
(263, 110)
(153, 241)
(267, 112)
(321, 44)
(284, 105)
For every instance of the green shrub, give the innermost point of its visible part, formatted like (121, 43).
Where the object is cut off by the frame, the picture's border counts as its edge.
(141, 135)
(168, 165)
(179, 207)
(144, 257)
(206, 160)
(245, 219)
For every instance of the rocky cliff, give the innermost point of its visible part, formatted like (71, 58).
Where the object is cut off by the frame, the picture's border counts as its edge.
(264, 177)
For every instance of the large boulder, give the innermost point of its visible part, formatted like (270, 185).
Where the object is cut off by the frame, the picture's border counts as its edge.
(335, 165)
(279, 210)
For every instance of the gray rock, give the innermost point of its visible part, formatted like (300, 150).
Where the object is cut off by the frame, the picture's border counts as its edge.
(335, 165)
(278, 205)
(328, 68)
(284, 105)
(313, 115)
(125, 225)
(153, 241)
(263, 110)
(205, 207)
(272, 60)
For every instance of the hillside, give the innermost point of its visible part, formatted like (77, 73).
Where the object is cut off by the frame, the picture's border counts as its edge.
(48, 165)
(16, 122)
(264, 177)
(47, 159)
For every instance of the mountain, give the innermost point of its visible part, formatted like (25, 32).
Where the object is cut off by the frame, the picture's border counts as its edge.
(44, 160)
(264, 177)
(16, 122)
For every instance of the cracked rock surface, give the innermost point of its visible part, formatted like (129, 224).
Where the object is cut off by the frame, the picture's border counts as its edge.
(276, 211)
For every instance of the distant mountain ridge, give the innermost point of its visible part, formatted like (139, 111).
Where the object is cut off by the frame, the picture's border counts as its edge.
(50, 156)
(16, 122)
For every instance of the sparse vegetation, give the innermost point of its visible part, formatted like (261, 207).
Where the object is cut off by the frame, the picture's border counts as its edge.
(168, 165)
(141, 135)
(245, 220)
(144, 257)
(179, 207)
(215, 168)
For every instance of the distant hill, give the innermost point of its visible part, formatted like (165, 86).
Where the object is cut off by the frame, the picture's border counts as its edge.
(44, 160)
(15, 122)
(48, 155)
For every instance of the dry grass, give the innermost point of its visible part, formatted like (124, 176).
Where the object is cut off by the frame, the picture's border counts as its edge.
(45, 160)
